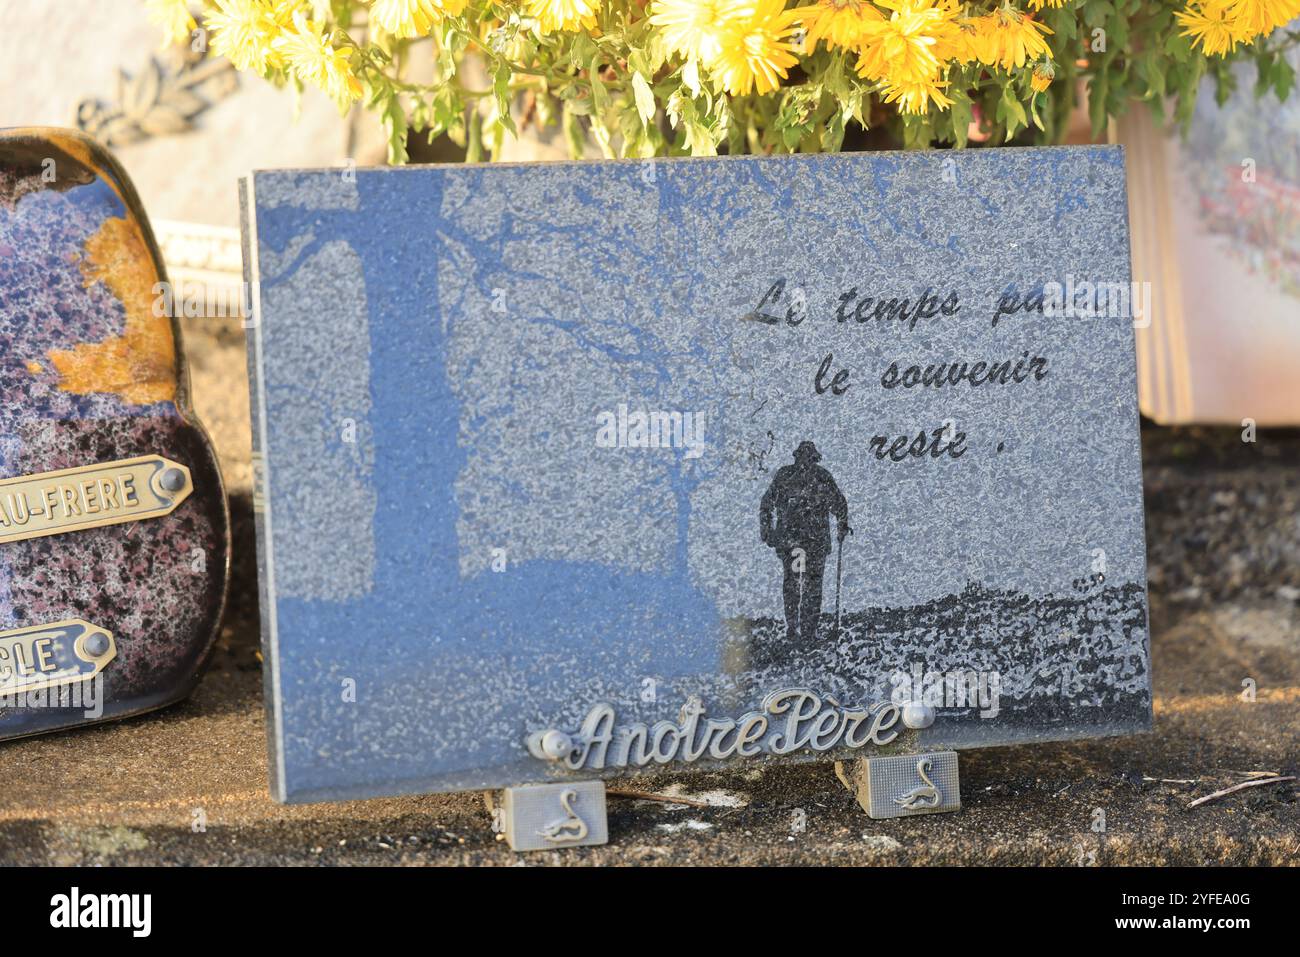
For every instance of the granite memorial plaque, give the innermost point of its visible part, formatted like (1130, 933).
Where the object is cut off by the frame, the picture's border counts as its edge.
(570, 470)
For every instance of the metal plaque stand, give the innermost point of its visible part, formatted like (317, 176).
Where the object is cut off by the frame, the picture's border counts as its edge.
(543, 817)
(900, 785)
(546, 817)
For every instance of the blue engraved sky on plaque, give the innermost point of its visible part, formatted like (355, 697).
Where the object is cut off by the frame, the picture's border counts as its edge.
(673, 437)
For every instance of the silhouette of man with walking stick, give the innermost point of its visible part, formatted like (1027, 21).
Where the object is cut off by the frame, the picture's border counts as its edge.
(794, 520)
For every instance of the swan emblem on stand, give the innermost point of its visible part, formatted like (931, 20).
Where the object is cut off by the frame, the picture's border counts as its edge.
(927, 795)
(568, 828)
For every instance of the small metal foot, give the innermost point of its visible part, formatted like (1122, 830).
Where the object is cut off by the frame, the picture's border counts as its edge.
(543, 817)
(899, 785)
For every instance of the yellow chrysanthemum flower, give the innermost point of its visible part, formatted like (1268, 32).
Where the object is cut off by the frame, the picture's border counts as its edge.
(1209, 25)
(692, 28)
(1044, 74)
(1053, 4)
(841, 23)
(174, 18)
(1254, 18)
(915, 96)
(1007, 38)
(313, 58)
(554, 15)
(412, 18)
(912, 45)
(755, 49)
(244, 32)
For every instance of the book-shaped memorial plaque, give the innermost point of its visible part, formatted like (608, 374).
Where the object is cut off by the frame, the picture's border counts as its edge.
(574, 469)
(114, 536)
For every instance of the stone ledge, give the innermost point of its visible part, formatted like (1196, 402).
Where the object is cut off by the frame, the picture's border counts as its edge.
(128, 793)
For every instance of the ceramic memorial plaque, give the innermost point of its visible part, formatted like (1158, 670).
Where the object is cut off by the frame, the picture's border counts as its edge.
(114, 538)
(571, 470)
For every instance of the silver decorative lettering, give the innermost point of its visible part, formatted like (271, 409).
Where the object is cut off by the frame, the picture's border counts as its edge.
(789, 720)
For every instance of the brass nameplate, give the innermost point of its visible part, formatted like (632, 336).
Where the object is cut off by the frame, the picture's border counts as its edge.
(91, 496)
(59, 653)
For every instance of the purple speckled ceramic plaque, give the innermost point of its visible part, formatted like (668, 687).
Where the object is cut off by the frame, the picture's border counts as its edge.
(114, 540)
(569, 470)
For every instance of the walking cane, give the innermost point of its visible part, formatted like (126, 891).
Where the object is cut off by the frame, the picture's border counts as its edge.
(839, 575)
(798, 615)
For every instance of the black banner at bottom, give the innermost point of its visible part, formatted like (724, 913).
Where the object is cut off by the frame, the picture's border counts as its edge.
(215, 906)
